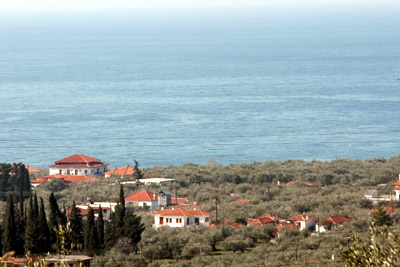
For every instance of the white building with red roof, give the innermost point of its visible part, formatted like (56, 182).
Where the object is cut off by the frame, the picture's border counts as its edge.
(180, 218)
(142, 199)
(78, 165)
(302, 221)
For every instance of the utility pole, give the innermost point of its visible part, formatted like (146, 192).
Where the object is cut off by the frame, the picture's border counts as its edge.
(216, 209)
(337, 211)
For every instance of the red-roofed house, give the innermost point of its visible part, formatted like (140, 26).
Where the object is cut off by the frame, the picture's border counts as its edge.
(142, 199)
(302, 222)
(127, 170)
(337, 220)
(78, 165)
(180, 217)
(267, 218)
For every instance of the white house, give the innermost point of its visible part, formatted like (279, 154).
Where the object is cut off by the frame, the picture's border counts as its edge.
(78, 165)
(142, 199)
(180, 217)
(107, 208)
(303, 222)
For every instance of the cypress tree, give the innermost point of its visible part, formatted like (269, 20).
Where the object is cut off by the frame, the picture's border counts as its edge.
(35, 207)
(90, 242)
(10, 237)
(44, 231)
(75, 220)
(115, 225)
(20, 225)
(133, 227)
(100, 228)
(31, 230)
(122, 197)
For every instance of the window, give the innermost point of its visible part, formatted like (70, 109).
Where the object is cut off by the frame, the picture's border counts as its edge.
(59, 171)
(68, 172)
(85, 171)
(207, 219)
(178, 220)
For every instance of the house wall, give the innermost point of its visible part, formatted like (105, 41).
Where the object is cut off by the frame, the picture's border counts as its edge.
(152, 204)
(171, 221)
(81, 171)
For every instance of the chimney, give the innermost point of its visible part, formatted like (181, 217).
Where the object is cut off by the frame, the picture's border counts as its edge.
(279, 183)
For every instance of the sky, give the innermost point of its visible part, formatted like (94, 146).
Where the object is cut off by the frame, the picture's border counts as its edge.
(122, 4)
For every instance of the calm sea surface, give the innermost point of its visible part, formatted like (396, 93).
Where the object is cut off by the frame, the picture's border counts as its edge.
(170, 87)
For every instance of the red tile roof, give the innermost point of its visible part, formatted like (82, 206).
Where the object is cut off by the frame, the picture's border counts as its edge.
(241, 201)
(79, 161)
(78, 158)
(301, 217)
(127, 170)
(306, 183)
(272, 217)
(181, 212)
(32, 170)
(396, 183)
(92, 165)
(143, 195)
(338, 219)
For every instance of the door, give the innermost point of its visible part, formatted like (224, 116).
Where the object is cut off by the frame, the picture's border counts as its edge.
(196, 221)
(161, 220)
(76, 172)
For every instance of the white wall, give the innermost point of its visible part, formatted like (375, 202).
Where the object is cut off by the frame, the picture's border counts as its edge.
(81, 171)
(202, 221)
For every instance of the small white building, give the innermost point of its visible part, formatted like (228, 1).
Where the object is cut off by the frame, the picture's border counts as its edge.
(107, 208)
(303, 222)
(142, 199)
(180, 218)
(78, 165)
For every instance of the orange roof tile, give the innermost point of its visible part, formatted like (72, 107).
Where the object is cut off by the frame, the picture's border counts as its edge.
(78, 158)
(181, 212)
(338, 219)
(32, 170)
(272, 217)
(306, 183)
(143, 195)
(396, 183)
(127, 170)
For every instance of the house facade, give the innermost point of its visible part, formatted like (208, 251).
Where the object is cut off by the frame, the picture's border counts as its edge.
(142, 199)
(180, 218)
(78, 165)
(303, 222)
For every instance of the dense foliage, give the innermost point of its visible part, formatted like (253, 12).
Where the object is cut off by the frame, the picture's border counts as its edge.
(14, 178)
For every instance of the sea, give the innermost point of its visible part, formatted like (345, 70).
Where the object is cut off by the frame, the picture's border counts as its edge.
(169, 86)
